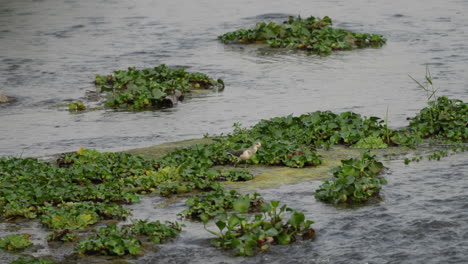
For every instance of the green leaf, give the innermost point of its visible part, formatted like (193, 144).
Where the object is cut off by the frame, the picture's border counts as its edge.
(250, 245)
(134, 250)
(350, 179)
(275, 204)
(266, 207)
(284, 239)
(233, 221)
(296, 219)
(221, 225)
(241, 205)
(204, 217)
(308, 223)
(158, 94)
(272, 232)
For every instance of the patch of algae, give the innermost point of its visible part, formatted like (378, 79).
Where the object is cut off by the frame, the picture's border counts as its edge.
(271, 176)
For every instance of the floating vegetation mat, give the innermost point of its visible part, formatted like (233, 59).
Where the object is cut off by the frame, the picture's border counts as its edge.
(312, 34)
(148, 89)
(152, 88)
(86, 187)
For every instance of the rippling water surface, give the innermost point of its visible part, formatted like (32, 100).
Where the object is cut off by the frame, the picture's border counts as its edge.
(50, 51)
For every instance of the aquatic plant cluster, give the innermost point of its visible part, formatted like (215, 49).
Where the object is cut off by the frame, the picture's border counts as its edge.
(84, 188)
(312, 34)
(15, 242)
(246, 236)
(371, 142)
(443, 118)
(354, 181)
(220, 201)
(150, 88)
(286, 141)
(76, 106)
(120, 241)
(87, 186)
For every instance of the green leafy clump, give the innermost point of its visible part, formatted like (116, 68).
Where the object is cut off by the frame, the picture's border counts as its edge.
(443, 118)
(15, 242)
(355, 181)
(76, 106)
(320, 127)
(120, 241)
(78, 215)
(209, 205)
(371, 142)
(287, 141)
(31, 260)
(86, 187)
(110, 240)
(149, 88)
(155, 231)
(312, 34)
(246, 236)
(69, 216)
(64, 235)
(291, 141)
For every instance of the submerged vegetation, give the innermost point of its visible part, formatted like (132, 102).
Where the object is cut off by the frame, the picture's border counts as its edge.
(312, 34)
(151, 88)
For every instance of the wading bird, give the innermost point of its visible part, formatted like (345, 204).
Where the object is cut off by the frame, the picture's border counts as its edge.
(246, 153)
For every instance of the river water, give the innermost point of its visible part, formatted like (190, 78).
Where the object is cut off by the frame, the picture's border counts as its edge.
(50, 51)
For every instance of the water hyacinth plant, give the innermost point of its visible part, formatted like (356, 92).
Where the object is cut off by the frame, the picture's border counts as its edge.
(76, 106)
(443, 118)
(87, 186)
(354, 181)
(120, 241)
(214, 203)
(151, 88)
(15, 242)
(312, 34)
(371, 142)
(247, 236)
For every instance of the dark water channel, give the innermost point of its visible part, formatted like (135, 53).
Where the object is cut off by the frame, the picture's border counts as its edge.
(51, 49)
